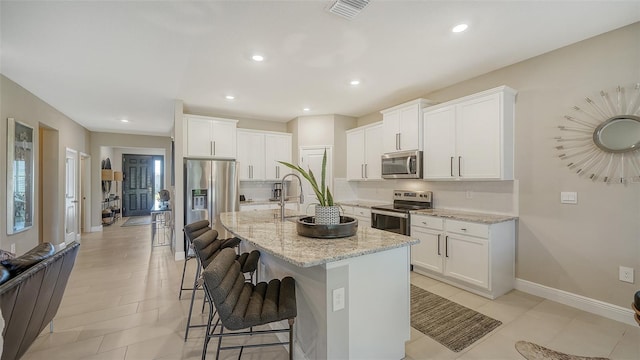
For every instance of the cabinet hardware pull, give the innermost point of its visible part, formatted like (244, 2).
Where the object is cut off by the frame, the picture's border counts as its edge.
(451, 165)
(446, 246)
(211, 148)
(459, 167)
(214, 148)
(463, 229)
(277, 172)
(366, 176)
(425, 223)
(362, 171)
(439, 245)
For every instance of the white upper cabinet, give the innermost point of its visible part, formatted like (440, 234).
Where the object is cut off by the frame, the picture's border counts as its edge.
(251, 155)
(277, 148)
(364, 150)
(259, 153)
(470, 138)
(402, 126)
(210, 137)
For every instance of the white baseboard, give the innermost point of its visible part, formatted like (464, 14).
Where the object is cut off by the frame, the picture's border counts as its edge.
(614, 312)
(179, 255)
(96, 228)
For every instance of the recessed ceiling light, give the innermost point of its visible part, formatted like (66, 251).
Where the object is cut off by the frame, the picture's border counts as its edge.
(306, 109)
(124, 120)
(355, 82)
(460, 28)
(257, 57)
(229, 97)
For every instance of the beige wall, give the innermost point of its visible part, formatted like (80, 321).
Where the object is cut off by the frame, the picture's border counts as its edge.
(575, 248)
(315, 130)
(370, 118)
(322, 130)
(341, 124)
(18, 103)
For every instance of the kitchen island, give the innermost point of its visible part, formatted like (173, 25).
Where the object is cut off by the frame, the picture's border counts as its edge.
(352, 293)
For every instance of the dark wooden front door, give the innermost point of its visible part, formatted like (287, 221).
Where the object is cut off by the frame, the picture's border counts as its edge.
(137, 185)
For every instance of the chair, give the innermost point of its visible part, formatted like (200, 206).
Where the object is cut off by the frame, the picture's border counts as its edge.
(243, 305)
(206, 247)
(192, 231)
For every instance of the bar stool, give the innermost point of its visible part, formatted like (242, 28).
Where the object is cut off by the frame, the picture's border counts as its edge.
(192, 231)
(243, 305)
(207, 247)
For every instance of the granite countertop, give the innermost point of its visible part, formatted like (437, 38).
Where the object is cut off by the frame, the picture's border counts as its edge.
(264, 230)
(265, 201)
(362, 203)
(477, 217)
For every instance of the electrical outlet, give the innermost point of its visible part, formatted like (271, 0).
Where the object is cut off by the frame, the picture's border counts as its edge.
(626, 274)
(338, 299)
(13, 248)
(469, 194)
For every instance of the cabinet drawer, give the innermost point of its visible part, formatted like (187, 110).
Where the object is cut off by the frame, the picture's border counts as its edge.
(468, 228)
(430, 222)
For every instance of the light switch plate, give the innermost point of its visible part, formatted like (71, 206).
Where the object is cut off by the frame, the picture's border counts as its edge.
(338, 299)
(567, 197)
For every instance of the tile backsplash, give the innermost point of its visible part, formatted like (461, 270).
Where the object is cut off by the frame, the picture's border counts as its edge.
(486, 196)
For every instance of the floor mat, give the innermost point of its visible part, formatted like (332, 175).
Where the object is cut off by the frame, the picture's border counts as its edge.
(137, 221)
(447, 322)
(532, 351)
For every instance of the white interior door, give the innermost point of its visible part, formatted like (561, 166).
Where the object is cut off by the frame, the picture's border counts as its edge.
(311, 158)
(71, 196)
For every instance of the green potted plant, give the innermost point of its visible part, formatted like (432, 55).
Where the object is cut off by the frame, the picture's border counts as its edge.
(326, 210)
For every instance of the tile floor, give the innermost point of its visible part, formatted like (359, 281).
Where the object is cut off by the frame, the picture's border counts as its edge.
(121, 302)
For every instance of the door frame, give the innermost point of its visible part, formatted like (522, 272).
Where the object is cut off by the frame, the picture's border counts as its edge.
(74, 155)
(329, 174)
(85, 194)
(154, 190)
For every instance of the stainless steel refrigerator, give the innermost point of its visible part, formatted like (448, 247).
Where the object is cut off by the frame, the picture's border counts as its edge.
(211, 188)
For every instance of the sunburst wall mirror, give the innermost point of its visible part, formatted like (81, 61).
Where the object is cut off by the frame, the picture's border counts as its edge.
(603, 140)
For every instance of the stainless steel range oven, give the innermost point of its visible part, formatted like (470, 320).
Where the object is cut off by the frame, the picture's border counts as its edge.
(395, 217)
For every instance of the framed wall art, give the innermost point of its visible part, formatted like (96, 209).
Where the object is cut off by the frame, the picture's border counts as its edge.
(20, 165)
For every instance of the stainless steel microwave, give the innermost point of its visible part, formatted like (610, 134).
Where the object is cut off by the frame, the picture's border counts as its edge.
(402, 165)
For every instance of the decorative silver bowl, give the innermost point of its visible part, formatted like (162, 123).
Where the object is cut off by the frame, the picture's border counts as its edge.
(306, 226)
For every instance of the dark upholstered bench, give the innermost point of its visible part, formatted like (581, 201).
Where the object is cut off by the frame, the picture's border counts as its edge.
(32, 293)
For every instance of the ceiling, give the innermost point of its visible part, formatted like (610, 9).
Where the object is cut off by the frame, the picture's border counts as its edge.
(100, 62)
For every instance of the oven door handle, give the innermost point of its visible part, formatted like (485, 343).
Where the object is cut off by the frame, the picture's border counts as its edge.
(389, 213)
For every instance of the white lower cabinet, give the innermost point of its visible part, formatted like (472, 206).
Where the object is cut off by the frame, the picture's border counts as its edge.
(474, 256)
(362, 214)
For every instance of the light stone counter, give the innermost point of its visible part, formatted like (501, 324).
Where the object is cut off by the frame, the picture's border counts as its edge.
(466, 216)
(341, 285)
(361, 203)
(264, 230)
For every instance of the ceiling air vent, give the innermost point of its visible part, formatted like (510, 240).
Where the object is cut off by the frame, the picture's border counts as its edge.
(348, 9)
